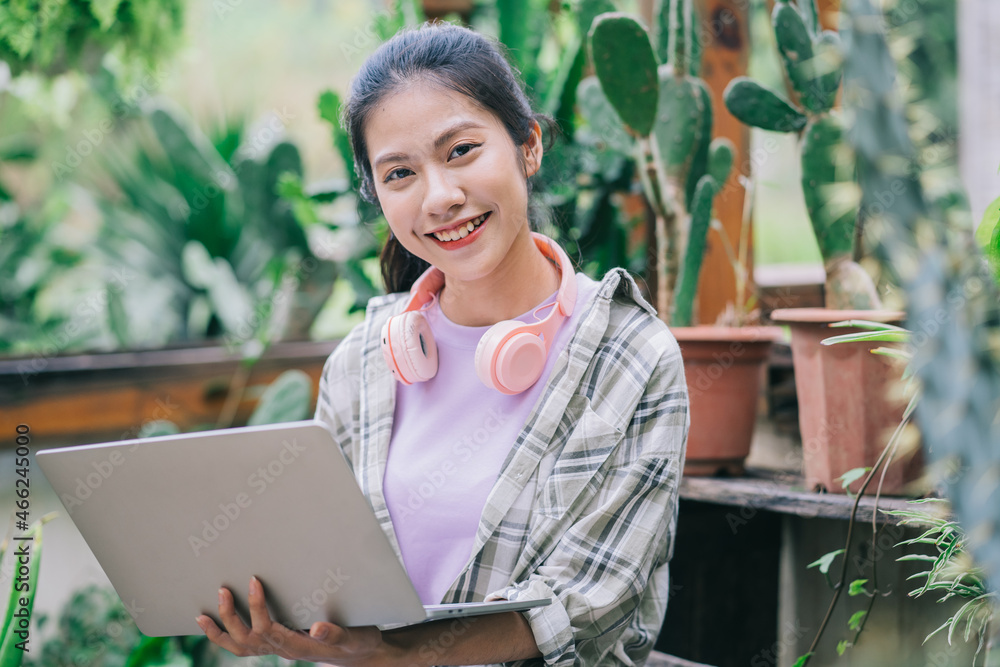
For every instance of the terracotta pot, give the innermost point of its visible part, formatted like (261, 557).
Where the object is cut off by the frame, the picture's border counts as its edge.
(846, 407)
(723, 367)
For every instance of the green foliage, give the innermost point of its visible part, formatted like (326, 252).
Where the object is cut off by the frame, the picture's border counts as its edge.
(854, 622)
(53, 37)
(812, 63)
(701, 218)
(626, 67)
(213, 248)
(669, 113)
(950, 572)
(758, 106)
(21, 599)
(852, 476)
(825, 561)
(93, 628)
(947, 284)
(857, 587)
(287, 399)
(46, 302)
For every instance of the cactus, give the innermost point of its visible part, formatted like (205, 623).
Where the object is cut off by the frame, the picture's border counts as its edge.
(669, 113)
(811, 59)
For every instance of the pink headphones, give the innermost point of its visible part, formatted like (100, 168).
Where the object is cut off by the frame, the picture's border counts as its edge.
(510, 355)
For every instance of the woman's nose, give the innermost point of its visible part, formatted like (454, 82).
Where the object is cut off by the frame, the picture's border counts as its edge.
(442, 194)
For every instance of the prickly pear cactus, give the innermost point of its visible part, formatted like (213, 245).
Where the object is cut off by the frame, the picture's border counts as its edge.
(669, 112)
(811, 59)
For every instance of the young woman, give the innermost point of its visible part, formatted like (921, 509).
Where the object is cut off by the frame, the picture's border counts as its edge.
(518, 429)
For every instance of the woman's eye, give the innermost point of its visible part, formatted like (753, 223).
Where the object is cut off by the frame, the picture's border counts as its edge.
(463, 149)
(397, 174)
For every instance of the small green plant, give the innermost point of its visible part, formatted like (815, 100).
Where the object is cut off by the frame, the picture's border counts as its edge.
(669, 113)
(812, 62)
(14, 632)
(208, 243)
(951, 572)
(871, 332)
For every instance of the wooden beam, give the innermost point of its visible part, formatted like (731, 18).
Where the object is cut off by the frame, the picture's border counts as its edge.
(725, 37)
(103, 397)
(783, 494)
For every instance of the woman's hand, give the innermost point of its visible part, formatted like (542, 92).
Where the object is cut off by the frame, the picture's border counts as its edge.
(324, 642)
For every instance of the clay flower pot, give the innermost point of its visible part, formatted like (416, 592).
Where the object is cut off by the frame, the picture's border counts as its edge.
(723, 367)
(846, 410)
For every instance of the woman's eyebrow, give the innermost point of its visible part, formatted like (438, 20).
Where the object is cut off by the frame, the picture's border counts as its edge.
(444, 138)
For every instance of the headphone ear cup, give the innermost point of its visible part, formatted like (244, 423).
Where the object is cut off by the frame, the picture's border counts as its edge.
(408, 347)
(509, 360)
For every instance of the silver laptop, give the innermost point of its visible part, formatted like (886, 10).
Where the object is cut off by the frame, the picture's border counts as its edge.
(172, 518)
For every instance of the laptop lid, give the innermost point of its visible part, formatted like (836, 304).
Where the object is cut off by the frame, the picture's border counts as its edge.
(172, 518)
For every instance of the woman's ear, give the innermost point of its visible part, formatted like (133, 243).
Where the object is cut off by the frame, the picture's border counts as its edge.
(532, 150)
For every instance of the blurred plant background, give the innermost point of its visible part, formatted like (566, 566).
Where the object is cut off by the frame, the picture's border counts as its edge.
(175, 175)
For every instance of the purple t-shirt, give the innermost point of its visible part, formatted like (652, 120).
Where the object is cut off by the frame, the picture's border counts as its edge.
(450, 436)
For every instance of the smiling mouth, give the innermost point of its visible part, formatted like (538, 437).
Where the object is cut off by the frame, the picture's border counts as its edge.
(461, 231)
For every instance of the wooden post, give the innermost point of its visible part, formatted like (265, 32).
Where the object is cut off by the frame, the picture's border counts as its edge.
(724, 33)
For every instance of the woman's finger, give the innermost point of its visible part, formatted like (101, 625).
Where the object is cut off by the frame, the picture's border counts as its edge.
(261, 624)
(234, 625)
(260, 617)
(220, 638)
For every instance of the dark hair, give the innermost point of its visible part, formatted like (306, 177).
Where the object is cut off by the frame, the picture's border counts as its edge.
(457, 58)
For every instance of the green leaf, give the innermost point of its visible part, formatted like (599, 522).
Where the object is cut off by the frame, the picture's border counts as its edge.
(287, 399)
(855, 621)
(842, 646)
(851, 476)
(104, 11)
(869, 336)
(757, 106)
(801, 662)
(825, 561)
(10, 654)
(149, 651)
(329, 107)
(626, 66)
(857, 587)
(868, 324)
(991, 219)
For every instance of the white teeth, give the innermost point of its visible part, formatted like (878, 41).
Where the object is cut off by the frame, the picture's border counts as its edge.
(460, 232)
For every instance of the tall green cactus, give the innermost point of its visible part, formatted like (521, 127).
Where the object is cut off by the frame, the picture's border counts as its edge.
(669, 113)
(813, 65)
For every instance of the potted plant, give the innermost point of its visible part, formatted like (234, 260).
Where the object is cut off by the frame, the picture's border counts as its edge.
(844, 392)
(668, 112)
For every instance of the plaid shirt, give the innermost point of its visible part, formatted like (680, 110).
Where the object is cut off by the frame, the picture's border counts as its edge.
(585, 508)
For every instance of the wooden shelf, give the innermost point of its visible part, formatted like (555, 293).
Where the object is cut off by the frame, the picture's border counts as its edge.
(784, 493)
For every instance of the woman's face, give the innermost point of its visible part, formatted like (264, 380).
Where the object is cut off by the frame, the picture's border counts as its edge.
(440, 164)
